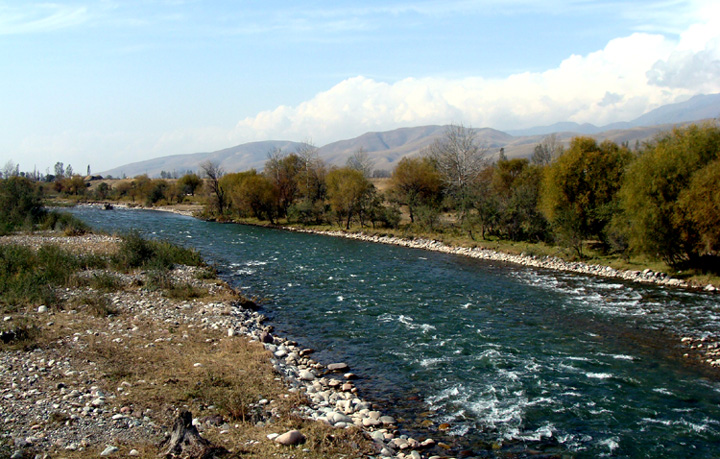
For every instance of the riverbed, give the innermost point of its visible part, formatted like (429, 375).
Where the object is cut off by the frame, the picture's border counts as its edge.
(487, 353)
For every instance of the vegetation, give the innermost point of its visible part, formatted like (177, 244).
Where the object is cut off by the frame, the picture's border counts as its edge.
(656, 202)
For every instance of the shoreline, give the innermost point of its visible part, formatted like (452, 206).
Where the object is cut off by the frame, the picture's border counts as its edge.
(332, 398)
(646, 276)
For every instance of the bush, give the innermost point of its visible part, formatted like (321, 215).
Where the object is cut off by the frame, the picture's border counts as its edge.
(67, 223)
(136, 252)
(20, 204)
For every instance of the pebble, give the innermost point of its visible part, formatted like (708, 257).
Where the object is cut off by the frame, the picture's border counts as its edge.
(109, 450)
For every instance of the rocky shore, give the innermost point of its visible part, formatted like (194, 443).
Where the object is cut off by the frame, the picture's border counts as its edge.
(646, 276)
(56, 400)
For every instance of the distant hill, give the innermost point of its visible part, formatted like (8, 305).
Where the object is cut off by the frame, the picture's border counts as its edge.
(385, 149)
(233, 159)
(700, 107)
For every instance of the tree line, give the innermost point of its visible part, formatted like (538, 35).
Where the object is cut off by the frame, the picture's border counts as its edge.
(660, 199)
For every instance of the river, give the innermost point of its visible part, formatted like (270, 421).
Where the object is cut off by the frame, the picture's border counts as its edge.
(482, 353)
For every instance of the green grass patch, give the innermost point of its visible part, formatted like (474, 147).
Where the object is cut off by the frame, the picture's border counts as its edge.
(137, 252)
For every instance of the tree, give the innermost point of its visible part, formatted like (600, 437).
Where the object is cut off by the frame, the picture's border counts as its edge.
(59, 171)
(415, 182)
(251, 195)
(347, 191)
(213, 171)
(459, 159)
(189, 183)
(282, 170)
(360, 161)
(547, 151)
(699, 204)
(516, 190)
(20, 203)
(579, 190)
(658, 225)
(311, 177)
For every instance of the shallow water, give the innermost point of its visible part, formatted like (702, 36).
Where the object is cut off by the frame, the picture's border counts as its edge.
(534, 359)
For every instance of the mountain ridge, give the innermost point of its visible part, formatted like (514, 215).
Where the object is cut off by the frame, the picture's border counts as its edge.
(385, 148)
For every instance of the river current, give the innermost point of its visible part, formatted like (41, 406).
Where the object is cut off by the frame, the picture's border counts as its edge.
(481, 353)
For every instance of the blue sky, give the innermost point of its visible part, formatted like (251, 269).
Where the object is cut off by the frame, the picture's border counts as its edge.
(109, 82)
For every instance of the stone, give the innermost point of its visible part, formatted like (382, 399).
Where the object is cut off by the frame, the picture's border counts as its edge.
(266, 337)
(338, 367)
(387, 420)
(306, 375)
(292, 437)
(109, 450)
(42, 309)
(134, 452)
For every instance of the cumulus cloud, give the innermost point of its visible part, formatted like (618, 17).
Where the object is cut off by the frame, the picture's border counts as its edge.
(626, 78)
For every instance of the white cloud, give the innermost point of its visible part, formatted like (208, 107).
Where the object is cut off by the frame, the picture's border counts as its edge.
(630, 76)
(40, 18)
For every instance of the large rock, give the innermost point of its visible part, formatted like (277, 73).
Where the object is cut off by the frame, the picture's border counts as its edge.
(338, 367)
(290, 438)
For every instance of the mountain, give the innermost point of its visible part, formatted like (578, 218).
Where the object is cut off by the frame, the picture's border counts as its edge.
(386, 148)
(238, 158)
(700, 107)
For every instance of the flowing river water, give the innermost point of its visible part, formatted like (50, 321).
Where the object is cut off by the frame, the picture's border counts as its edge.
(480, 353)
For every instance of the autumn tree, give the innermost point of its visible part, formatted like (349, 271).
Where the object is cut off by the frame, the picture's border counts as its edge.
(283, 170)
(348, 191)
(661, 190)
(251, 195)
(579, 190)
(415, 182)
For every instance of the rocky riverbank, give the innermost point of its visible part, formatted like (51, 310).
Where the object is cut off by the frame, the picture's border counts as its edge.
(88, 384)
(646, 276)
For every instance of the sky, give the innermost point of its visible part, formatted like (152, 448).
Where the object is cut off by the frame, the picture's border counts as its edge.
(104, 83)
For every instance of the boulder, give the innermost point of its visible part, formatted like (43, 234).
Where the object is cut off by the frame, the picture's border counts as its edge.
(290, 438)
(339, 367)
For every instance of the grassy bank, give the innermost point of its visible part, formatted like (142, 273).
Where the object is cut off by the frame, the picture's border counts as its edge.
(137, 321)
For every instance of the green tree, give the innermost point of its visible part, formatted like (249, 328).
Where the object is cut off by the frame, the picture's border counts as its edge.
(699, 204)
(348, 192)
(20, 204)
(189, 183)
(579, 190)
(658, 225)
(415, 182)
(516, 188)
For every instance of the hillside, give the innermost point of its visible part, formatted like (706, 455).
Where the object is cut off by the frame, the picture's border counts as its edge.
(388, 147)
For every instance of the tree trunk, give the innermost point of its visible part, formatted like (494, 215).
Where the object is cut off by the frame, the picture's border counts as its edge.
(185, 442)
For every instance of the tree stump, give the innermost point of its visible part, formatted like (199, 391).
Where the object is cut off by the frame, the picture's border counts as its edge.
(185, 442)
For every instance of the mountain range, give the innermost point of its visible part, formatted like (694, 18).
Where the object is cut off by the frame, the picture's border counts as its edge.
(386, 148)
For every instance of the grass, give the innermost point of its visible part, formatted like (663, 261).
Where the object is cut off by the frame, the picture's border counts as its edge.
(163, 367)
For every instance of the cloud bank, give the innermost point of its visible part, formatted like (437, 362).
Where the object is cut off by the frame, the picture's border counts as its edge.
(627, 78)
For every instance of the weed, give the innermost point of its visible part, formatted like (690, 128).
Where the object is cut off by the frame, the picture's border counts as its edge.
(136, 252)
(18, 333)
(185, 291)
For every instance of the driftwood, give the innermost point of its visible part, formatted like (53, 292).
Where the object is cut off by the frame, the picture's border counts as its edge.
(185, 442)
